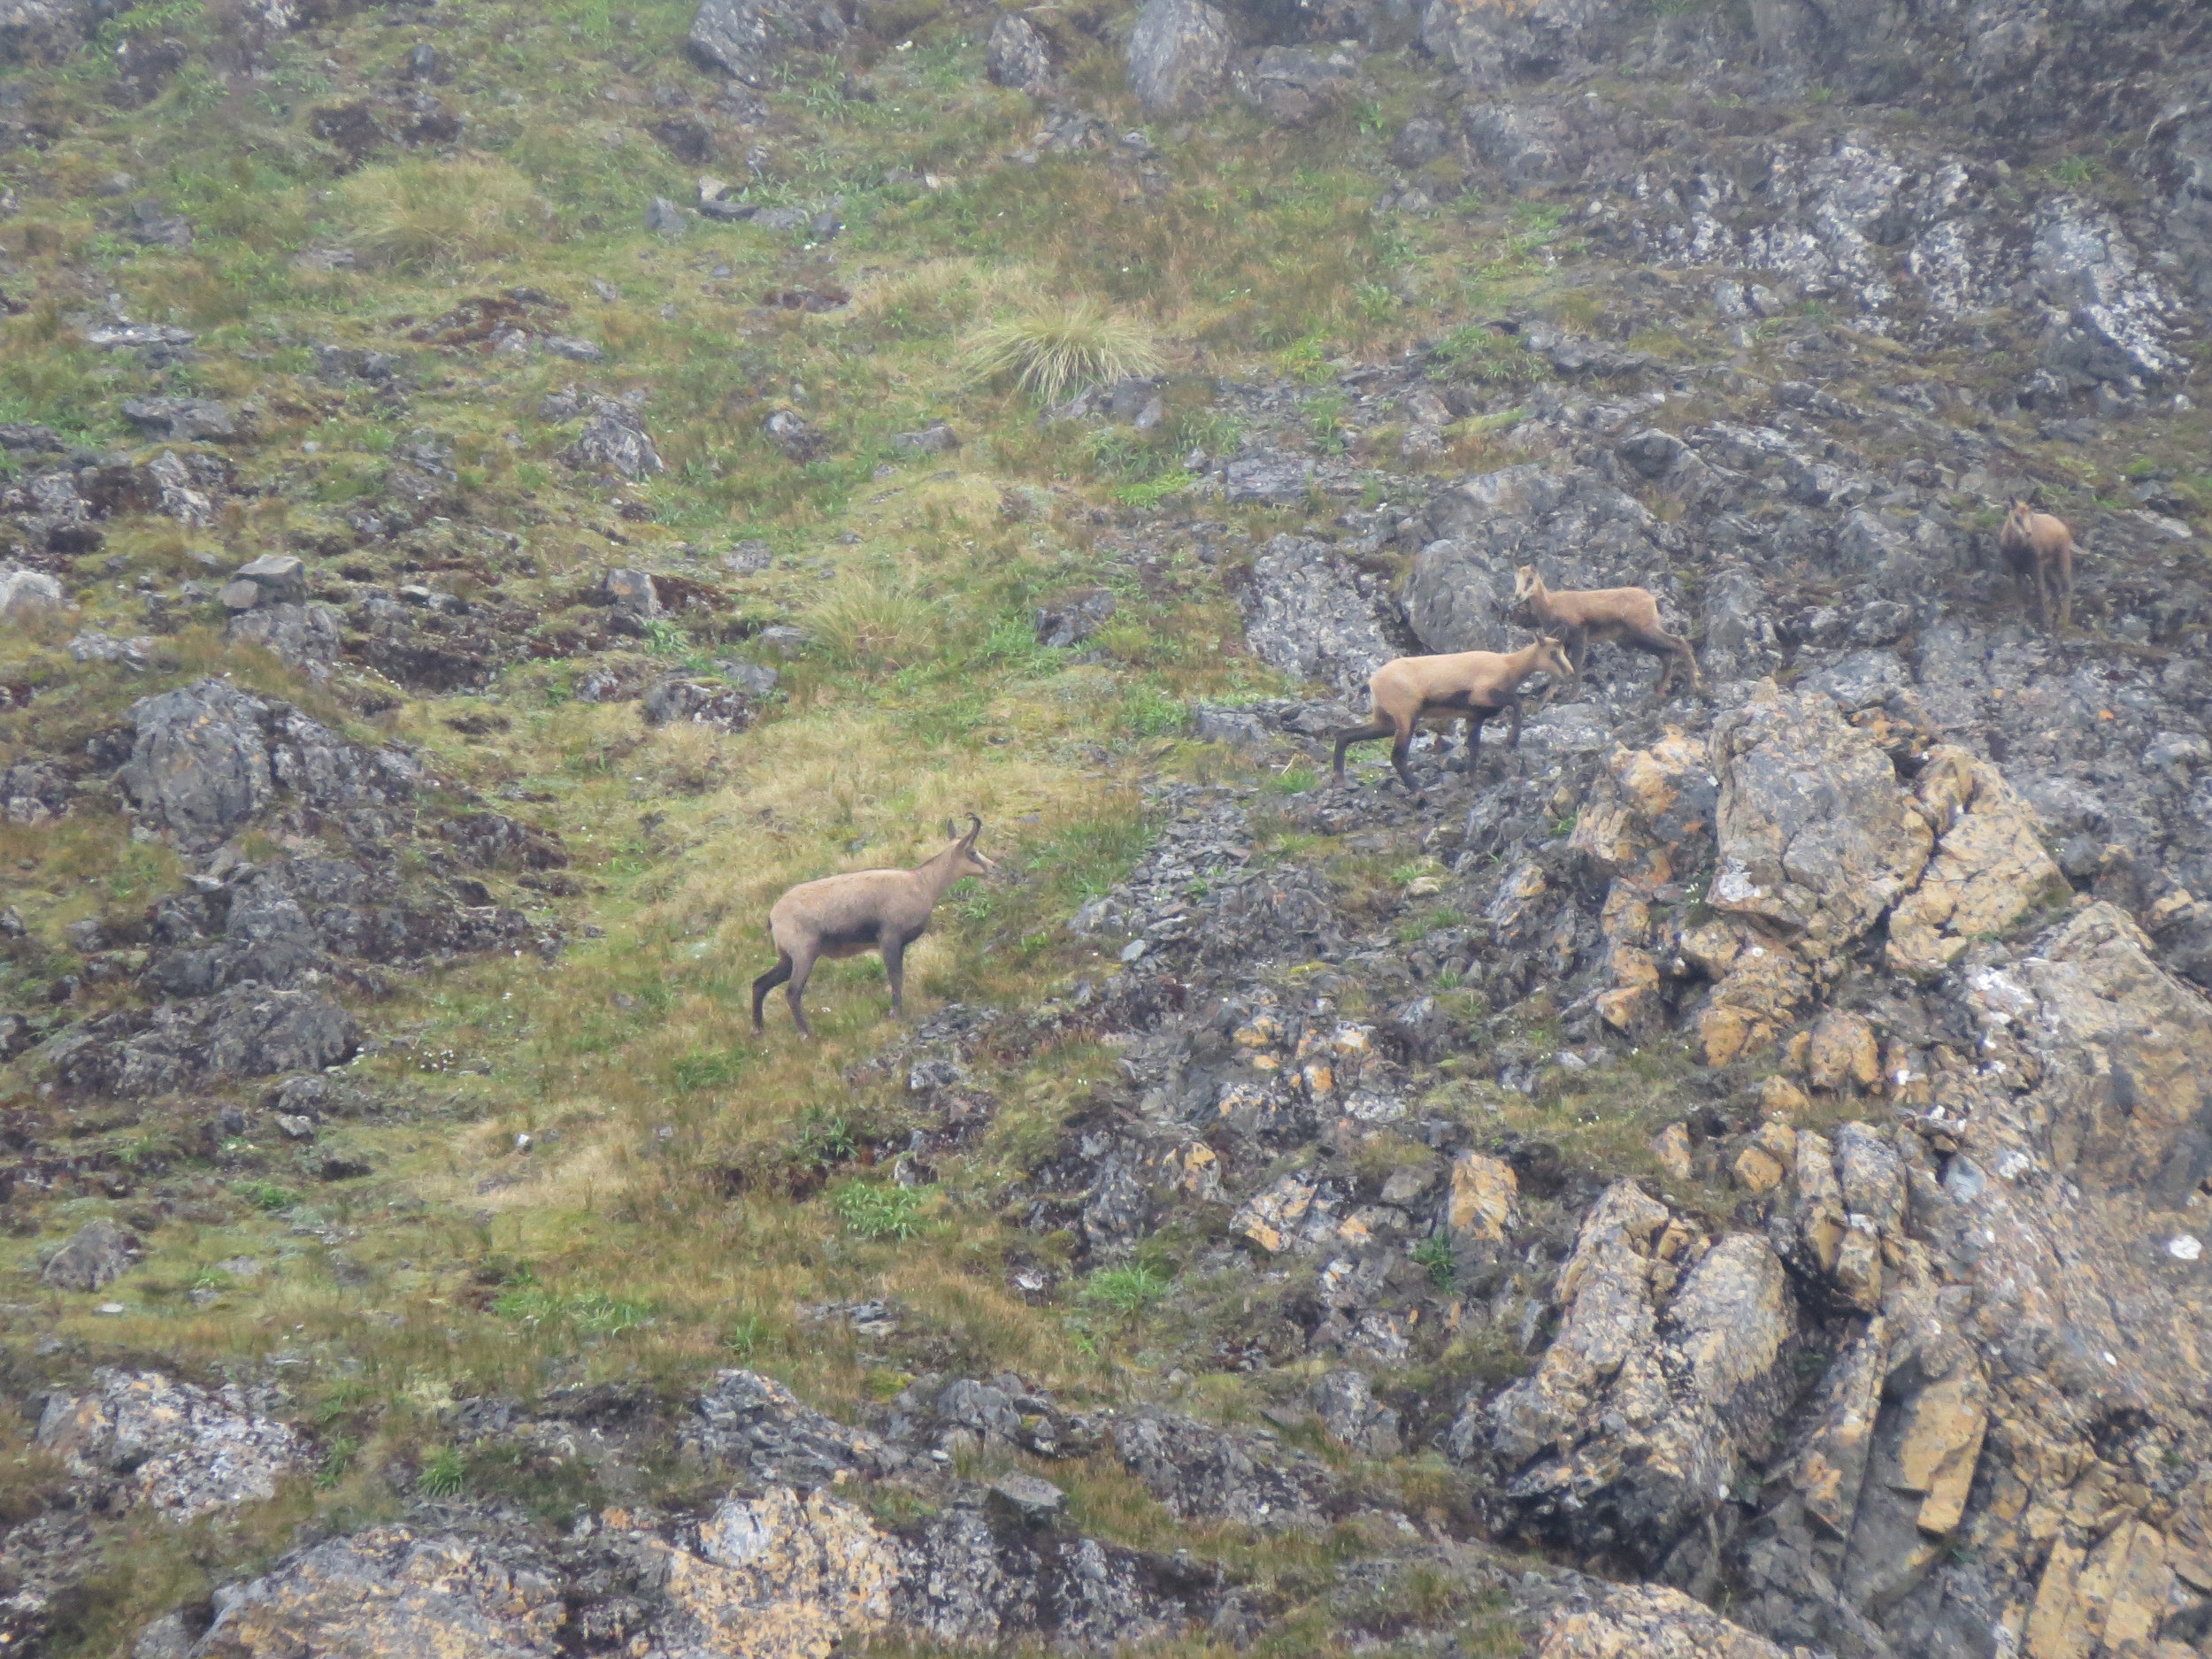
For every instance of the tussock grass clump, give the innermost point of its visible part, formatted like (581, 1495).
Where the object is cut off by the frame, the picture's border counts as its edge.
(877, 626)
(418, 216)
(1053, 354)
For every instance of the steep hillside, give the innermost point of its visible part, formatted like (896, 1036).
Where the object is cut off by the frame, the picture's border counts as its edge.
(494, 496)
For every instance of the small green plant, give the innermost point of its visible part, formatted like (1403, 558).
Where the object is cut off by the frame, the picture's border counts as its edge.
(825, 1140)
(1293, 779)
(1053, 354)
(1127, 1291)
(1434, 1256)
(665, 638)
(265, 1196)
(1152, 491)
(704, 1069)
(442, 1474)
(876, 1211)
(2076, 171)
(747, 1336)
(1148, 712)
(337, 1462)
(1481, 353)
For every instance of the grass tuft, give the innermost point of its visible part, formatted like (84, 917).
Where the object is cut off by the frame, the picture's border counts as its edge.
(424, 215)
(1054, 353)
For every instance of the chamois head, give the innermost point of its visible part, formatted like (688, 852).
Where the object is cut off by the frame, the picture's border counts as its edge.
(1525, 582)
(1551, 655)
(964, 857)
(2017, 519)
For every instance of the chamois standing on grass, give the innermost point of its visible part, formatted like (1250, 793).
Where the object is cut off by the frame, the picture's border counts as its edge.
(1406, 690)
(2039, 549)
(866, 910)
(1622, 616)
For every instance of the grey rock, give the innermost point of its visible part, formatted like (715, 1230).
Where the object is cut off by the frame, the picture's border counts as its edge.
(272, 579)
(1352, 1415)
(746, 39)
(206, 757)
(614, 440)
(1420, 141)
(1074, 617)
(632, 591)
(1274, 480)
(1309, 612)
(1016, 54)
(937, 438)
(24, 593)
(678, 701)
(181, 419)
(168, 1636)
(150, 226)
(576, 350)
(143, 1438)
(1206, 1472)
(781, 218)
(755, 1425)
(1177, 54)
(663, 218)
(304, 636)
(1029, 1499)
(21, 437)
(34, 31)
(491, 841)
(97, 1255)
(790, 433)
(758, 679)
(33, 791)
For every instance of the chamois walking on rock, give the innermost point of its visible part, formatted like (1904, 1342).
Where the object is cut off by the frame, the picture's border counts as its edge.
(1476, 684)
(1619, 616)
(867, 910)
(2039, 549)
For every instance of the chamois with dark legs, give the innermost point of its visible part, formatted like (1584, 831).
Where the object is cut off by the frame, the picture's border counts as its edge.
(2039, 549)
(1615, 616)
(1468, 685)
(883, 910)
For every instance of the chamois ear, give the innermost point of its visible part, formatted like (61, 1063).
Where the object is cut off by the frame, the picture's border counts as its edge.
(952, 831)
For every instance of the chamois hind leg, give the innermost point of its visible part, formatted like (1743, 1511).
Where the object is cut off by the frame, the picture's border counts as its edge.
(2065, 581)
(1402, 746)
(768, 982)
(1352, 734)
(802, 967)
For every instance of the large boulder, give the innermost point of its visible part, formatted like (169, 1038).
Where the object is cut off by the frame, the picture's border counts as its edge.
(25, 593)
(1310, 613)
(1177, 54)
(206, 758)
(1816, 839)
(614, 440)
(1656, 1396)
(1994, 1436)
(185, 1451)
(97, 1255)
(1650, 1621)
(304, 636)
(746, 39)
(1018, 56)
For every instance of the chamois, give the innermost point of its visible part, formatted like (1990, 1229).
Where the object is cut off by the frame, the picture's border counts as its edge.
(1624, 616)
(2039, 551)
(1404, 692)
(866, 910)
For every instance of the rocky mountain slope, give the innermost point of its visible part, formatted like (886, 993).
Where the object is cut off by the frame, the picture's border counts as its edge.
(493, 497)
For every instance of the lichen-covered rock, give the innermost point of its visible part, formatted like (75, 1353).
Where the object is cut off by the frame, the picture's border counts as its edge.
(1659, 1389)
(1177, 54)
(185, 1451)
(1989, 868)
(96, 1254)
(1651, 1621)
(614, 439)
(1352, 1415)
(385, 1592)
(207, 758)
(1309, 613)
(307, 636)
(1204, 1472)
(746, 39)
(1815, 839)
(677, 701)
(778, 1577)
(1016, 54)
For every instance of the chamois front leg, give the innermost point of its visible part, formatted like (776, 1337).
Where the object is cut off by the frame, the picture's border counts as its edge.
(1401, 748)
(768, 982)
(892, 946)
(1513, 706)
